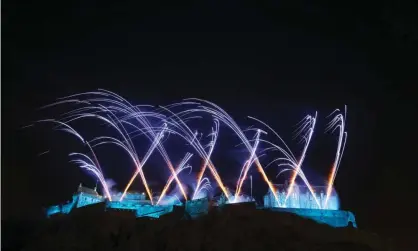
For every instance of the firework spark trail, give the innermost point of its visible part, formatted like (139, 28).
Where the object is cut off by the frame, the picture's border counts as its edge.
(69, 129)
(289, 156)
(138, 163)
(120, 104)
(113, 105)
(337, 123)
(43, 153)
(170, 180)
(190, 137)
(304, 179)
(247, 166)
(204, 184)
(212, 146)
(250, 160)
(311, 121)
(141, 118)
(99, 168)
(144, 160)
(91, 167)
(139, 113)
(127, 143)
(110, 140)
(168, 161)
(292, 163)
(221, 115)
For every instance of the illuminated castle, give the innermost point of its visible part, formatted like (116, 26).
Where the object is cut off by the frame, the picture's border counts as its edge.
(311, 205)
(134, 202)
(300, 202)
(84, 196)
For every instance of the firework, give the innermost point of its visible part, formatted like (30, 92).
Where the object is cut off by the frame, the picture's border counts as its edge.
(145, 123)
(337, 123)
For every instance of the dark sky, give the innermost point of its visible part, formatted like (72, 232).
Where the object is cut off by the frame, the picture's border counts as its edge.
(275, 60)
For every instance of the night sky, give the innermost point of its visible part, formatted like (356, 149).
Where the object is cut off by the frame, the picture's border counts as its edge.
(274, 60)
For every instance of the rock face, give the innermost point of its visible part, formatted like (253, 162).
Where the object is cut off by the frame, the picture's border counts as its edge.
(232, 228)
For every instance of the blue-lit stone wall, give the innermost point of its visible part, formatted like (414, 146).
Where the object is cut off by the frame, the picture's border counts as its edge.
(141, 209)
(126, 205)
(66, 208)
(302, 204)
(334, 218)
(299, 199)
(198, 207)
(153, 211)
(129, 197)
(78, 200)
(53, 210)
(88, 199)
(305, 200)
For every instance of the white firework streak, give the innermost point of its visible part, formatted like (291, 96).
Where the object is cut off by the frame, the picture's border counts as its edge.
(311, 121)
(290, 159)
(124, 106)
(222, 116)
(180, 168)
(247, 166)
(203, 185)
(337, 123)
(186, 133)
(214, 135)
(118, 104)
(69, 129)
(91, 167)
(112, 105)
(127, 143)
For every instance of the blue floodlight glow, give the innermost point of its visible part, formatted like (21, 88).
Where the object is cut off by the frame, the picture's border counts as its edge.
(301, 198)
(196, 208)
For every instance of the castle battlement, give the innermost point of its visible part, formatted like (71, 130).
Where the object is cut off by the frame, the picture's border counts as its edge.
(300, 202)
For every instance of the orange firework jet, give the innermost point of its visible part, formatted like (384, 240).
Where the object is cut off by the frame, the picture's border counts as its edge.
(170, 180)
(310, 121)
(247, 166)
(338, 122)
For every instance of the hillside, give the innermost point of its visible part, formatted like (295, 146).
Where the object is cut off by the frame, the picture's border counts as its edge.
(234, 228)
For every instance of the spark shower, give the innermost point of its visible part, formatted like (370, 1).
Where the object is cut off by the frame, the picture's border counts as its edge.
(156, 125)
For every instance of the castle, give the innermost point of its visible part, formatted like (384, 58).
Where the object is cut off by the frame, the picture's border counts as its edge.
(84, 196)
(300, 202)
(134, 202)
(303, 203)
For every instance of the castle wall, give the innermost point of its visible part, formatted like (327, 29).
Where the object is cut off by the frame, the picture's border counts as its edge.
(153, 211)
(66, 208)
(78, 200)
(87, 199)
(140, 209)
(129, 197)
(300, 200)
(335, 218)
(53, 210)
(198, 207)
